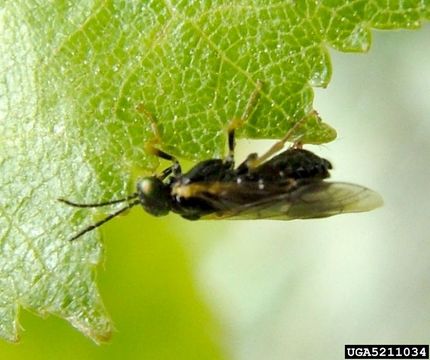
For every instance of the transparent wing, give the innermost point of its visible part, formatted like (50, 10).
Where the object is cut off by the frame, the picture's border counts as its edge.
(310, 200)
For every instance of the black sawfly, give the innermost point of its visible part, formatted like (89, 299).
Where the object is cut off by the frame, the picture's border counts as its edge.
(289, 185)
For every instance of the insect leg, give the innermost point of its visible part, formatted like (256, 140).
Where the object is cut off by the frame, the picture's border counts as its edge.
(91, 205)
(279, 145)
(175, 168)
(106, 219)
(165, 173)
(150, 148)
(235, 123)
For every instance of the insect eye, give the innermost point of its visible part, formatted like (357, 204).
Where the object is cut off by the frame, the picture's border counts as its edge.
(154, 196)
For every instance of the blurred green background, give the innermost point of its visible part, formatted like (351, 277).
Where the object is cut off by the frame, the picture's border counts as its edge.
(284, 290)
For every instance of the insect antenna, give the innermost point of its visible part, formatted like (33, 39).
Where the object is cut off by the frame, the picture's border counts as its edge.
(106, 219)
(111, 202)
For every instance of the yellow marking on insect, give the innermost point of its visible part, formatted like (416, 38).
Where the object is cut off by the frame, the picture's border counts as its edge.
(192, 190)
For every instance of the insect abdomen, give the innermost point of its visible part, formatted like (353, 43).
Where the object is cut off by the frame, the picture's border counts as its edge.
(294, 164)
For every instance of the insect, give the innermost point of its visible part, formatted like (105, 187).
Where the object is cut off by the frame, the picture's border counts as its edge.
(286, 186)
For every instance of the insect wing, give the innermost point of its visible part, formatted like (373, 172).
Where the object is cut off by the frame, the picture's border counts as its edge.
(316, 199)
(323, 199)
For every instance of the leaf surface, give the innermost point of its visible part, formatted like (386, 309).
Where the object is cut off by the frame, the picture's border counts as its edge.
(82, 84)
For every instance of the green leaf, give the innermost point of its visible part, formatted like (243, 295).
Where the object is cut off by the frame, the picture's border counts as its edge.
(78, 82)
